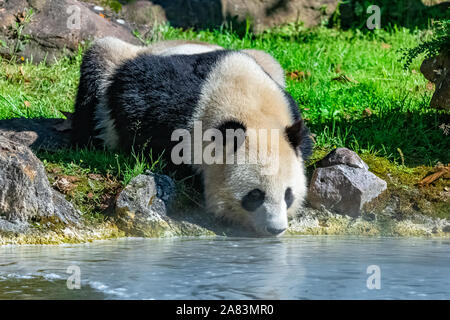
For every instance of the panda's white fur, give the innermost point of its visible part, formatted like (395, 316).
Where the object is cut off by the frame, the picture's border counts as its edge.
(246, 85)
(113, 52)
(256, 100)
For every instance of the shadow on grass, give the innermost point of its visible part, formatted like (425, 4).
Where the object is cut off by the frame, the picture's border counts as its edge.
(404, 13)
(39, 134)
(411, 138)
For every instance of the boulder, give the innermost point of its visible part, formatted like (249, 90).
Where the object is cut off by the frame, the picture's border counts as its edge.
(55, 27)
(143, 12)
(25, 192)
(344, 187)
(437, 70)
(141, 208)
(209, 14)
(343, 156)
(145, 208)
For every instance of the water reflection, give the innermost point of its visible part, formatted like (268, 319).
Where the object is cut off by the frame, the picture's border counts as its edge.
(231, 268)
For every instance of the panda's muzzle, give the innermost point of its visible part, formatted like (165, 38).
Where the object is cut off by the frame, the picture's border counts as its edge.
(270, 220)
(268, 216)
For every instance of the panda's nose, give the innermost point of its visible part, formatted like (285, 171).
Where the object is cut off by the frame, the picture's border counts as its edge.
(275, 231)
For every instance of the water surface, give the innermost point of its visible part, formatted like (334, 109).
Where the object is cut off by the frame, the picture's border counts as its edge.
(306, 267)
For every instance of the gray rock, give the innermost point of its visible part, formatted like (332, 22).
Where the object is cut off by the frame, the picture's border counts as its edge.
(165, 187)
(16, 227)
(343, 156)
(263, 14)
(56, 27)
(437, 70)
(142, 207)
(144, 12)
(344, 189)
(25, 191)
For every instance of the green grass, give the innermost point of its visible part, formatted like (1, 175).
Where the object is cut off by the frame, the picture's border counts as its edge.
(33, 91)
(355, 92)
(85, 161)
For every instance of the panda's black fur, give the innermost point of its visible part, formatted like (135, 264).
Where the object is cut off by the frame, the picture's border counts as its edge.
(168, 94)
(87, 100)
(149, 97)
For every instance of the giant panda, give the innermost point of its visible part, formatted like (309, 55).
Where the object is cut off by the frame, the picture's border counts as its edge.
(133, 97)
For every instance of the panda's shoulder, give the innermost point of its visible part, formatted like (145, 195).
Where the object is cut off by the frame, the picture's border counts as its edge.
(157, 65)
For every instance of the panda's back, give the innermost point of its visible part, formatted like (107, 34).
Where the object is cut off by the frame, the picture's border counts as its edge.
(151, 96)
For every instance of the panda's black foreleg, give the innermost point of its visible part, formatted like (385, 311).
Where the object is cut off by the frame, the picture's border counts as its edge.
(87, 100)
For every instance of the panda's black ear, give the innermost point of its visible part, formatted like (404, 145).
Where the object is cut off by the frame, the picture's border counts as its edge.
(299, 137)
(238, 128)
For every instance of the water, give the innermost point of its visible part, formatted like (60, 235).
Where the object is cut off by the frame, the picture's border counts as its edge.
(231, 268)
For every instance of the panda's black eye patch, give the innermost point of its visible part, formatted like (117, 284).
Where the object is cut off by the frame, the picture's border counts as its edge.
(289, 197)
(252, 200)
(233, 133)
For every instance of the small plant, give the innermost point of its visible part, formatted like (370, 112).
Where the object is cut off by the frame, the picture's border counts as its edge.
(17, 29)
(115, 5)
(155, 34)
(440, 42)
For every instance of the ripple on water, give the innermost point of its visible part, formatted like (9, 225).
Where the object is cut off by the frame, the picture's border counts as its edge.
(229, 268)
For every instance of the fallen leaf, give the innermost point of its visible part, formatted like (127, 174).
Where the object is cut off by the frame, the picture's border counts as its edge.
(65, 184)
(440, 171)
(367, 112)
(27, 103)
(21, 16)
(22, 72)
(298, 75)
(95, 176)
(55, 170)
(430, 86)
(72, 179)
(344, 78)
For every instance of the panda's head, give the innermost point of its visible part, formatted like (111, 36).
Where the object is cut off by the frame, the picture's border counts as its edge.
(260, 194)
